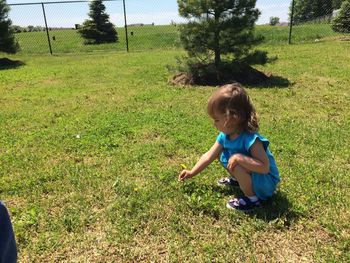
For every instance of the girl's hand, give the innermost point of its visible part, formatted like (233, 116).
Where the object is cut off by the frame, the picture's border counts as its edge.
(185, 174)
(233, 161)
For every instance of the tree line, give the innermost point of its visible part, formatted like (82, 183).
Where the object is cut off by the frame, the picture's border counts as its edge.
(308, 10)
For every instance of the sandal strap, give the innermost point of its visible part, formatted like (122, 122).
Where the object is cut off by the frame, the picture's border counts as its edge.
(243, 203)
(228, 181)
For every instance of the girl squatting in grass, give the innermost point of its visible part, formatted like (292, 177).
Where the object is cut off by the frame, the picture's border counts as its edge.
(240, 148)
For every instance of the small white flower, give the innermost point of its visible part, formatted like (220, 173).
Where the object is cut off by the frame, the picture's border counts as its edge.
(78, 136)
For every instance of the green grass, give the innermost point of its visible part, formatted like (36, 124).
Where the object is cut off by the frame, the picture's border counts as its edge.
(157, 37)
(67, 41)
(91, 146)
(300, 34)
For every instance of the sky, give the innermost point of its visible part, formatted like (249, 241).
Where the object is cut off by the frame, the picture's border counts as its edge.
(159, 12)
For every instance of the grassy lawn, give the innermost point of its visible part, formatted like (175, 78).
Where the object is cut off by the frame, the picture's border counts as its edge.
(157, 37)
(91, 147)
(68, 41)
(306, 33)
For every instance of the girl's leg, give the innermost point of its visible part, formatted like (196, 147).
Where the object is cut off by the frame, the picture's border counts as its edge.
(8, 250)
(244, 179)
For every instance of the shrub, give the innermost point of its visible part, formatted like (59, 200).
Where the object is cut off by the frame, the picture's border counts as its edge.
(341, 23)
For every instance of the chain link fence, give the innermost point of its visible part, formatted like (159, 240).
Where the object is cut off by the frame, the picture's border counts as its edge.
(312, 20)
(52, 26)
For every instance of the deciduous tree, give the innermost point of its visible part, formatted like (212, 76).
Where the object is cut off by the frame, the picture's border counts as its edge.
(274, 20)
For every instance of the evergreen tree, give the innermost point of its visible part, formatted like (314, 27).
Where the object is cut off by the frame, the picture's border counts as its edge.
(308, 10)
(302, 11)
(8, 43)
(323, 8)
(337, 4)
(98, 29)
(341, 23)
(219, 27)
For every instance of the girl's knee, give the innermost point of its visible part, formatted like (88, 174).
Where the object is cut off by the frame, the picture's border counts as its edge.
(238, 170)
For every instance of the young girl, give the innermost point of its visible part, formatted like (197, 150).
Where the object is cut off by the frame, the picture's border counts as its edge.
(240, 148)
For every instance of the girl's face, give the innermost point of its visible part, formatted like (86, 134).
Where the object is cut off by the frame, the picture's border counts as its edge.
(225, 124)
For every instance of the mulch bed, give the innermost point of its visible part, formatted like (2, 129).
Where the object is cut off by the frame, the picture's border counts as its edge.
(245, 75)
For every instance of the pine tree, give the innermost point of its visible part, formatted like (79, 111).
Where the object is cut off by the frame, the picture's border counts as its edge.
(341, 23)
(322, 8)
(337, 4)
(303, 11)
(219, 27)
(8, 43)
(309, 10)
(98, 29)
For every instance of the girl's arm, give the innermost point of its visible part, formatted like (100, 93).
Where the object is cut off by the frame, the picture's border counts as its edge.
(258, 163)
(203, 162)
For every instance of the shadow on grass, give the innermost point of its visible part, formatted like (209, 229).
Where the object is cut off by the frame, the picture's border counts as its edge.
(6, 63)
(203, 198)
(273, 82)
(277, 207)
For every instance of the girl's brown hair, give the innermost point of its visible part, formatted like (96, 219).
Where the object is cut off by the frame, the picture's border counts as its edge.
(233, 100)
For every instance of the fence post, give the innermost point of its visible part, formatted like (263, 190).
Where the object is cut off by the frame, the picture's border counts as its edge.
(47, 30)
(291, 23)
(126, 28)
